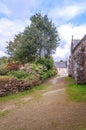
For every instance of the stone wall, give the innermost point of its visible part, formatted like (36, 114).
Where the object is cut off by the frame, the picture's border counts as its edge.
(77, 63)
(10, 86)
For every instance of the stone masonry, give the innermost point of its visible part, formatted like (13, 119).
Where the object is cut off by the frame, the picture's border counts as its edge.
(77, 60)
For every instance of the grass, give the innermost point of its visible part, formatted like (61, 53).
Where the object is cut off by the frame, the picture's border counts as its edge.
(3, 113)
(20, 129)
(19, 95)
(82, 129)
(76, 92)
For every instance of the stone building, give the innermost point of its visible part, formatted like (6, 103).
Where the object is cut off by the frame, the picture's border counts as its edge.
(77, 60)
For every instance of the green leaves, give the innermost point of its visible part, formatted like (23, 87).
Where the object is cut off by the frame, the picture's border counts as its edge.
(40, 39)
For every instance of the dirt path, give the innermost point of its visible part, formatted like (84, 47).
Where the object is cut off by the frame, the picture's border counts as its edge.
(52, 111)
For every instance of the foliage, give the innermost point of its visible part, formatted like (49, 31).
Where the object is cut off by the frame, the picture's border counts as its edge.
(48, 74)
(26, 77)
(7, 64)
(36, 67)
(19, 74)
(48, 67)
(14, 45)
(42, 69)
(12, 66)
(4, 60)
(76, 92)
(47, 62)
(46, 35)
(40, 39)
(3, 71)
(7, 67)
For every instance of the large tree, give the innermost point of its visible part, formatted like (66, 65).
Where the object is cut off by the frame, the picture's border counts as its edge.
(40, 39)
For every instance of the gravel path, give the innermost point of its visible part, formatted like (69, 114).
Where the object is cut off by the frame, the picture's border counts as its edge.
(53, 111)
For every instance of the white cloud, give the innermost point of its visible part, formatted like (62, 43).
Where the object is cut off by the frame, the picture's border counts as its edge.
(69, 11)
(61, 53)
(2, 54)
(8, 29)
(66, 31)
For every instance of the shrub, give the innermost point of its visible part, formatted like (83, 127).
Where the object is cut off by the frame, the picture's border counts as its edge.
(12, 66)
(36, 67)
(45, 69)
(19, 74)
(44, 76)
(3, 70)
(48, 74)
(48, 62)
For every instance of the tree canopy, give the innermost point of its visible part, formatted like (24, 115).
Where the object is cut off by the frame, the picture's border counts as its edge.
(40, 39)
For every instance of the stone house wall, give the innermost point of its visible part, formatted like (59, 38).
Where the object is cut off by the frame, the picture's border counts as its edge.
(77, 62)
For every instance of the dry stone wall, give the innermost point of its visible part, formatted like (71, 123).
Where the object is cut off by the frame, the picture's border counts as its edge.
(14, 86)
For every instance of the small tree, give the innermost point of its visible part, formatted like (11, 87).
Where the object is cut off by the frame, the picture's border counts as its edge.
(40, 39)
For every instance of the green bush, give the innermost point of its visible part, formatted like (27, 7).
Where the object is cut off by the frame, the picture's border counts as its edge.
(7, 67)
(48, 62)
(48, 74)
(13, 66)
(36, 67)
(45, 69)
(3, 70)
(19, 74)
(44, 76)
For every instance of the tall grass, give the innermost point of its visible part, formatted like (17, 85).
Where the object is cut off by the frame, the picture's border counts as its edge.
(76, 92)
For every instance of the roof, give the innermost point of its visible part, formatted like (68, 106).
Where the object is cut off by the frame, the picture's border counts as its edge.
(61, 64)
(84, 38)
(75, 42)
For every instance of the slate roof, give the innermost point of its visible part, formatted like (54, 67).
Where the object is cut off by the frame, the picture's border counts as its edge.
(76, 42)
(61, 64)
(84, 38)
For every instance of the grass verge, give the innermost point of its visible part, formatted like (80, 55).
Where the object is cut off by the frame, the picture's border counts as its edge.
(19, 95)
(76, 92)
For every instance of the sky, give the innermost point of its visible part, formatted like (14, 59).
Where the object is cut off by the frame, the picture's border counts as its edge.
(69, 17)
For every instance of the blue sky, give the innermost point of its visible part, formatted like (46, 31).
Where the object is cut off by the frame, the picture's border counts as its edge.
(69, 17)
